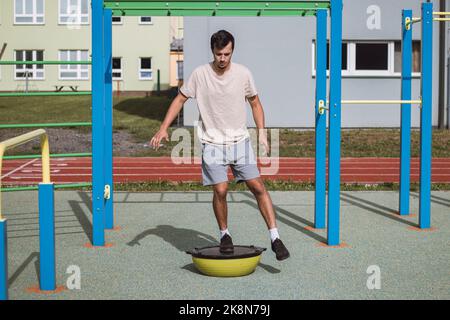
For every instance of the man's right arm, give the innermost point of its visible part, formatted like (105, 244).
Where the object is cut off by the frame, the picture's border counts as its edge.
(174, 109)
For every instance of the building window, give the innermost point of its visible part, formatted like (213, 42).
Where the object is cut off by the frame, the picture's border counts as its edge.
(73, 12)
(145, 20)
(179, 69)
(373, 58)
(29, 11)
(145, 69)
(117, 68)
(345, 58)
(416, 58)
(73, 71)
(30, 71)
(117, 20)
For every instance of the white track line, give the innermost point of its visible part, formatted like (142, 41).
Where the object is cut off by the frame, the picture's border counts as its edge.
(19, 168)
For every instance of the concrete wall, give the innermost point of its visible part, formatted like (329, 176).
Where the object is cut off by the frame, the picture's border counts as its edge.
(279, 53)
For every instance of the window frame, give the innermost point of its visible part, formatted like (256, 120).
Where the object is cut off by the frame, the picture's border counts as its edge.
(413, 74)
(178, 69)
(345, 72)
(34, 15)
(351, 61)
(117, 23)
(79, 69)
(117, 70)
(145, 70)
(145, 23)
(79, 15)
(373, 73)
(34, 68)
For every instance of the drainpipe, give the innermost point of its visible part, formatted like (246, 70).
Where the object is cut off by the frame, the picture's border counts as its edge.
(441, 103)
(448, 78)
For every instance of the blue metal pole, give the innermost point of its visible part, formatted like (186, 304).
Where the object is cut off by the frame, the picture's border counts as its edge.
(425, 115)
(98, 123)
(321, 119)
(109, 210)
(47, 236)
(405, 127)
(3, 260)
(334, 131)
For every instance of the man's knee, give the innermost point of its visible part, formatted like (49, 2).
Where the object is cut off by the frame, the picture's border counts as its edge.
(257, 187)
(221, 190)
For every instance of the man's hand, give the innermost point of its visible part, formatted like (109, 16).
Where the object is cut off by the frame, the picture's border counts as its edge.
(156, 140)
(173, 111)
(262, 138)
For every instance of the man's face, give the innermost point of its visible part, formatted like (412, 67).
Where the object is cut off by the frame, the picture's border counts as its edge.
(222, 57)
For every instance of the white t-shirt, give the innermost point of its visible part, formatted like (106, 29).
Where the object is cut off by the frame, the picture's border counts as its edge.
(221, 101)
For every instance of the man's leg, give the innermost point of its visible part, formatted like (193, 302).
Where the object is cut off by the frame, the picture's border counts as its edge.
(265, 205)
(221, 212)
(220, 204)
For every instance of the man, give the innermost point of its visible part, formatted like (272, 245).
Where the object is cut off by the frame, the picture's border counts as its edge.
(221, 89)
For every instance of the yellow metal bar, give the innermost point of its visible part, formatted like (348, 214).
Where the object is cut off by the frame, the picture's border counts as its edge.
(24, 138)
(45, 151)
(409, 22)
(441, 13)
(381, 102)
(441, 19)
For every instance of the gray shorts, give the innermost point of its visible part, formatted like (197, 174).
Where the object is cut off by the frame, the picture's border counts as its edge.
(216, 159)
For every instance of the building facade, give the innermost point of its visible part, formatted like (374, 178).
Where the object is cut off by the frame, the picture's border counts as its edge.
(280, 53)
(55, 30)
(176, 52)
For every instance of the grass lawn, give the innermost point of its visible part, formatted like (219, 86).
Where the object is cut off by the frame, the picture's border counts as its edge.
(142, 116)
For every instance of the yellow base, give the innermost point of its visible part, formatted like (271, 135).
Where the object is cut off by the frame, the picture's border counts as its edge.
(227, 267)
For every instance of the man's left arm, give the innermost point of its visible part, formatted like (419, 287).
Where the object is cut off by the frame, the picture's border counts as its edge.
(258, 116)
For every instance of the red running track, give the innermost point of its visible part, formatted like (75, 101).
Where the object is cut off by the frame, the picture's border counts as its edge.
(127, 169)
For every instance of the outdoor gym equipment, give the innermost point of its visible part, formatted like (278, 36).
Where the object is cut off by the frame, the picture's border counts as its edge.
(45, 125)
(102, 12)
(333, 108)
(102, 178)
(46, 217)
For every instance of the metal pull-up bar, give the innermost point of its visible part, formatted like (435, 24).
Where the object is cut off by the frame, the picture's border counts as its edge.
(409, 21)
(381, 102)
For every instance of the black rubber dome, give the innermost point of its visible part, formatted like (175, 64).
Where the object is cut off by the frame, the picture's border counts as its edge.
(214, 253)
